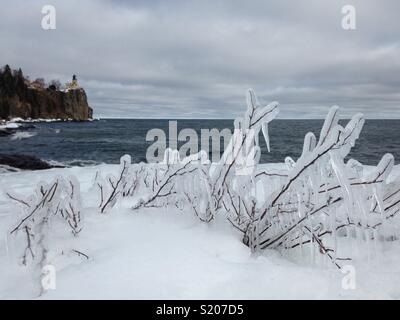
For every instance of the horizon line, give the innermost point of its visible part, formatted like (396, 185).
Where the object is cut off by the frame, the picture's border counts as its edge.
(172, 118)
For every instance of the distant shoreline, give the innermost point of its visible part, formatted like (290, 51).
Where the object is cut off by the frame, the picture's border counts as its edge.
(231, 119)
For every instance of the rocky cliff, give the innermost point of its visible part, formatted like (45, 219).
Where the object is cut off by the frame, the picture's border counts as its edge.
(21, 98)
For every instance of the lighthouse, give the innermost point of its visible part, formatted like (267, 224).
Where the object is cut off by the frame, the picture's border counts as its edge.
(73, 84)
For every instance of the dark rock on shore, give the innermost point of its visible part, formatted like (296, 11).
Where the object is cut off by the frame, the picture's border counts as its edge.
(25, 162)
(21, 98)
(4, 133)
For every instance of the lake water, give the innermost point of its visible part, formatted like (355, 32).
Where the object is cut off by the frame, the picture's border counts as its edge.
(105, 141)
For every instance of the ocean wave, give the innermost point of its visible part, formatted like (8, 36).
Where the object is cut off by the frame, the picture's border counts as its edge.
(74, 163)
(23, 135)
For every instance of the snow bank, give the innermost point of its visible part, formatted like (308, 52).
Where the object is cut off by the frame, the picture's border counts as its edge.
(161, 230)
(167, 254)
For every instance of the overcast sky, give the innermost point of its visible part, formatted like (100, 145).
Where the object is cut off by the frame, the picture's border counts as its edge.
(195, 59)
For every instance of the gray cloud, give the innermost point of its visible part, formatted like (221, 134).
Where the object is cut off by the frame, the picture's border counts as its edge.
(197, 58)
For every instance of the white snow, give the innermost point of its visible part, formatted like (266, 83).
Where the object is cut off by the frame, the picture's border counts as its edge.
(10, 125)
(168, 254)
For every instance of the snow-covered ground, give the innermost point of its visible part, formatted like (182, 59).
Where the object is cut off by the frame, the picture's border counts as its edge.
(168, 254)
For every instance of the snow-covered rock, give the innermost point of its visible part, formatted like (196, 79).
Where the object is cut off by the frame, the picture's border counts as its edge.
(12, 125)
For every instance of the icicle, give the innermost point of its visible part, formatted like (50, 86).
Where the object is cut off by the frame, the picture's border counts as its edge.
(381, 208)
(350, 134)
(330, 122)
(266, 135)
(300, 206)
(309, 145)
(290, 163)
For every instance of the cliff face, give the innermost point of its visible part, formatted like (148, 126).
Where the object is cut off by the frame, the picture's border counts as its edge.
(19, 99)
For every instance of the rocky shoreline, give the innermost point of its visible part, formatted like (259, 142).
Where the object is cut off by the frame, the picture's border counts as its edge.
(24, 162)
(26, 99)
(24, 102)
(17, 162)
